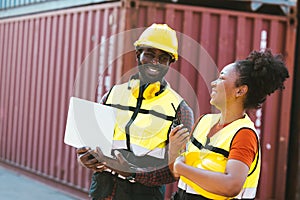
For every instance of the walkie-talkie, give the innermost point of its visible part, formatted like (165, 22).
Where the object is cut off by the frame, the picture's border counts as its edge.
(176, 121)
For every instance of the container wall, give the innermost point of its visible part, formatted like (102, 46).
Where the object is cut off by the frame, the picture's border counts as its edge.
(293, 172)
(14, 8)
(227, 36)
(6, 4)
(44, 60)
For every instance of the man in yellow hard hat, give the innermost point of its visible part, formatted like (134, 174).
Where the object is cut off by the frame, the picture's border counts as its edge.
(147, 110)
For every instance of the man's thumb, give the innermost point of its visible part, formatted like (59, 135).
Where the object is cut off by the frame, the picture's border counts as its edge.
(120, 157)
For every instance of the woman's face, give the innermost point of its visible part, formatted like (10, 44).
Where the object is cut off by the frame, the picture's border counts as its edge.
(224, 89)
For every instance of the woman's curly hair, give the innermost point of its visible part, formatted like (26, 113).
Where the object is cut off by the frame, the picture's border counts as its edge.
(263, 73)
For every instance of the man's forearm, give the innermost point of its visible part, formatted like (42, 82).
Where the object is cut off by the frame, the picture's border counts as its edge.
(154, 177)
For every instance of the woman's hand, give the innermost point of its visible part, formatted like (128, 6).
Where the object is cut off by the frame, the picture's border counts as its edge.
(178, 162)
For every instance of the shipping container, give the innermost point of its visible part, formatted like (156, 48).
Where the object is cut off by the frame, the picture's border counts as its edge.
(228, 36)
(7, 4)
(293, 168)
(14, 8)
(40, 57)
(46, 58)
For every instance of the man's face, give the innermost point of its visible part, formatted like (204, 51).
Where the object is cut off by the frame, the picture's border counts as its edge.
(153, 64)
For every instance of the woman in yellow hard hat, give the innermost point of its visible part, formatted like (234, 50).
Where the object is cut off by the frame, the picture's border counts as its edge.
(223, 157)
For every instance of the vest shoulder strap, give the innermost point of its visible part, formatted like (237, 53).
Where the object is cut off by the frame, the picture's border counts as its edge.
(258, 145)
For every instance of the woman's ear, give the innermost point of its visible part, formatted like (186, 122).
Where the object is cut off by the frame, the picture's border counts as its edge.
(241, 90)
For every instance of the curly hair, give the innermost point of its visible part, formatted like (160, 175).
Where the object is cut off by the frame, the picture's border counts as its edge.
(263, 73)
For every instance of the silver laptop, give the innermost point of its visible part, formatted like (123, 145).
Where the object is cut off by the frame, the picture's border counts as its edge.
(90, 124)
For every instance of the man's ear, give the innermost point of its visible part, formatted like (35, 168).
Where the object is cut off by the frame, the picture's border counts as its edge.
(138, 54)
(241, 90)
(172, 61)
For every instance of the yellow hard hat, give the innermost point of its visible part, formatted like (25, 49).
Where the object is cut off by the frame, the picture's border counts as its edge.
(159, 36)
(194, 159)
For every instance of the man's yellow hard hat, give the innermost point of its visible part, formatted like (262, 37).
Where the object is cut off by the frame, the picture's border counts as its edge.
(159, 36)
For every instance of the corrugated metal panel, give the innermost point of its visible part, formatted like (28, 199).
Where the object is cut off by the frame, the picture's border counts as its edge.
(8, 4)
(40, 57)
(13, 8)
(5, 4)
(293, 173)
(227, 36)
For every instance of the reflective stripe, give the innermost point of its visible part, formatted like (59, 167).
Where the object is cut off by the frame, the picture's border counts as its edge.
(247, 193)
(186, 187)
(140, 151)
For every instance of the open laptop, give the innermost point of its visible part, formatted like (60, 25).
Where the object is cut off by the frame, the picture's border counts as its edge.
(90, 124)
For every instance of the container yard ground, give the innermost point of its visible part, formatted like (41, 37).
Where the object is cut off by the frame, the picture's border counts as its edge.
(14, 185)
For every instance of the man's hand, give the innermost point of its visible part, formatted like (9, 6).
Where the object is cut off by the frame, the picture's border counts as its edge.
(178, 138)
(120, 165)
(87, 159)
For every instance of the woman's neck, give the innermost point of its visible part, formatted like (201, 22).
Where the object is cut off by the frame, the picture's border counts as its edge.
(231, 115)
